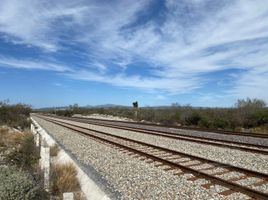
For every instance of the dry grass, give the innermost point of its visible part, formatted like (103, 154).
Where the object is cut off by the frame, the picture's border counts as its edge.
(79, 196)
(10, 138)
(64, 179)
(18, 148)
(261, 130)
(54, 150)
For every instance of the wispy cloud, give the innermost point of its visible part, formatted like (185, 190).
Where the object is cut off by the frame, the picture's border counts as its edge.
(38, 23)
(180, 44)
(122, 80)
(32, 64)
(160, 97)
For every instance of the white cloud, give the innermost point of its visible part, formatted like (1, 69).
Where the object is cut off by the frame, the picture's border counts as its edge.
(32, 64)
(58, 84)
(253, 84)
(160, 97)
(35, 22)
(179, 51)
(163, 84)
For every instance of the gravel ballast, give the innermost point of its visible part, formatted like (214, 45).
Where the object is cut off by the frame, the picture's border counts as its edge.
(132, 178)
(203, 134)
(247, 160)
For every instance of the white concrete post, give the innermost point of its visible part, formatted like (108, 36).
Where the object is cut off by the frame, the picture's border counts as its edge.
(68, 196)
(32, 128)
(41, 158)
(34, 131)
(42, 153)
(46, 168)
(37, 139)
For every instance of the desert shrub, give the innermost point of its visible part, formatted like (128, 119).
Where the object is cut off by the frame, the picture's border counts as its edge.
(64, 179)
(260, 117)
(246, 113)
(17, 184)
(169, 119)
(204, 123)
(15, 115)
(65, 113)
(219, 123)
(250, 103)
(177, 116)
(146, 114)
(19, 180)
(193, 119)
(4, 136)
(21, 150)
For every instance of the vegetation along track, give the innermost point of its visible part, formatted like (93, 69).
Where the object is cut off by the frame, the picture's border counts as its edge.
(173, 160)
(253, 148)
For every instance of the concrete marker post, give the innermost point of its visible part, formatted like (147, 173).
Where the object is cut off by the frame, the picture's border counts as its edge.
(32, 128)
(46, 168)
(68, 196)
(42, 154)
(37, 139)
(44, 161)
(87, 184)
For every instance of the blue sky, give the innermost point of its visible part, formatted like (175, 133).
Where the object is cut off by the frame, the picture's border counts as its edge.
(91, 52)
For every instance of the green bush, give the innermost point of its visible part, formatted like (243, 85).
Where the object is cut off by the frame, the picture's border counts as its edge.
(248, 113)
(177, 116)
(219, 123)
(16, 184)
(15, 115)
(204, 123)
(24, 152)
(260, 117)
(193, 119)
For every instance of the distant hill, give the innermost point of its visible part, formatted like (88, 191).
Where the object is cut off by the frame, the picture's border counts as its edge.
(87, 106)
(110, 106)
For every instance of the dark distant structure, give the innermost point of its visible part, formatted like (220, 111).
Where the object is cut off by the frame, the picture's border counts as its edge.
(135, 104)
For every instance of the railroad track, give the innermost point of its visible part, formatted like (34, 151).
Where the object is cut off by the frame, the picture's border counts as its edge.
(223, 132)
(172, 160)
(260, 149)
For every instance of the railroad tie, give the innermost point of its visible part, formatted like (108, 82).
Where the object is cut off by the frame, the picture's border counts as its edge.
(194, 178)
(238, 178)
(179, 173)
(170, 168)
(160, 164)
(208, 185)
(185, 161)
(159, 157)
(150, 161)
(220, 173)
(196, 164)
(227, 192)
(172, 157)
(208, 168)
(165, 155)
(259, 183)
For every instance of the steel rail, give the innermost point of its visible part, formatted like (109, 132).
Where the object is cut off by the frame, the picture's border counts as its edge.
(254, 135)
(261, 150)
(215, 142)
(216, 180)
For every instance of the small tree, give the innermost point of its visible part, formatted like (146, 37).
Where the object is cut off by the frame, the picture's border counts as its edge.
(250, 103)
(246, 111)
(193, 119)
